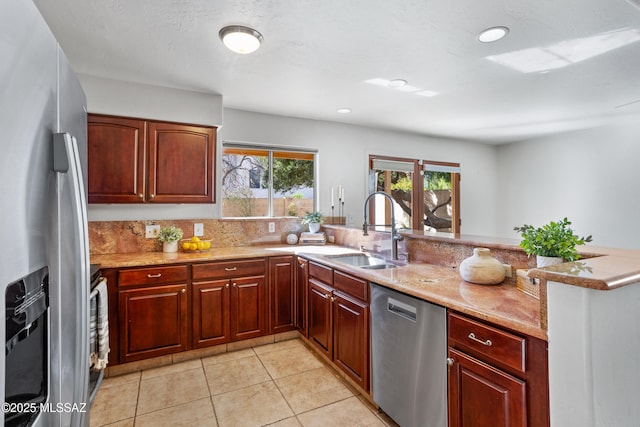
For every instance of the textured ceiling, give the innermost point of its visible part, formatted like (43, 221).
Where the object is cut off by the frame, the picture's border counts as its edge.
(316, 56)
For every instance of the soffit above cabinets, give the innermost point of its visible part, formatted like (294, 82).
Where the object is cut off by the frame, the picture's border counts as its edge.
(563, 65)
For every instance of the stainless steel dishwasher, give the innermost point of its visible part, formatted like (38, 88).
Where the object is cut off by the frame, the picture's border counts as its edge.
(408, 358)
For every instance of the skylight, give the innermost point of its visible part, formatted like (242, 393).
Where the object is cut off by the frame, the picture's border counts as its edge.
(566, 52)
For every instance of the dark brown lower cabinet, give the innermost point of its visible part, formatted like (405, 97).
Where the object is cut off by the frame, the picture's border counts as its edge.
(248, 308)
(320, 319)
(302, 295)
(153, 321)
(338, 320)
(497, 377)
(351, 337)
(211, 307)
(483, 396)
(282, 294)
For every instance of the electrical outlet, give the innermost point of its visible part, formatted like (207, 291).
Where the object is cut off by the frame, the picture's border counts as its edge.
(272, 227)
(198, 229)
(152, 231)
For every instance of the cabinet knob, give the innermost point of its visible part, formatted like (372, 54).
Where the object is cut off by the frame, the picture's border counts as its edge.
(226, 286)
(234, 284)
(141, 196)
(153, 195)
(183, 291)
(327, 296)
(333, 299)
(450, 361)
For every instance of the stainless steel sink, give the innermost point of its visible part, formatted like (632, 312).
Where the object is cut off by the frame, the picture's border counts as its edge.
(363, 261)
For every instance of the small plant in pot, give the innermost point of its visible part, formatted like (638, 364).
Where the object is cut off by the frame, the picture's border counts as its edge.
(553, 240)
(314, 219)
(169, 237)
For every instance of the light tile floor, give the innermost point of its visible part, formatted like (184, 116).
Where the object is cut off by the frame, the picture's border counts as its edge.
(282, 384)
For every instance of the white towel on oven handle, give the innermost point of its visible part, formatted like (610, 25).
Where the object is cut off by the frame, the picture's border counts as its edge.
(99, 326)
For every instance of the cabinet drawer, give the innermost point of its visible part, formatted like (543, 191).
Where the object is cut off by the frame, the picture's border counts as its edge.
(350, 285)
(478, 338)
(152, 275)
(321, 272)
(227, 269)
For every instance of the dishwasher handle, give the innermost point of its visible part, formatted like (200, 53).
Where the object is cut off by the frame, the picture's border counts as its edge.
(402, 309)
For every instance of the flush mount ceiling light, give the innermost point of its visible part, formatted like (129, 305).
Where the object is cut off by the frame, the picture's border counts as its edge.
(343, 110)
(240, 39)
(493, 34)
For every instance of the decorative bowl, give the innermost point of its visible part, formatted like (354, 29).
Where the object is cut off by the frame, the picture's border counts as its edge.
(195, 244)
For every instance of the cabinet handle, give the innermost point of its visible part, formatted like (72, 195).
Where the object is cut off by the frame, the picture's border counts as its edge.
(153, 195)
(226, 286)
(154, 276)
(472, 336)
(230, 268)
(183, 291)
(327, 296)
(450, 361)
(141, 196)
(333, 299)
(234, 284)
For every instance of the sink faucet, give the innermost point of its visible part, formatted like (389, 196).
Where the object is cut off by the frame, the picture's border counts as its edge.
(395, 236)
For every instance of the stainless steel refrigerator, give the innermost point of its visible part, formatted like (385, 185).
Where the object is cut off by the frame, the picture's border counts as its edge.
(44, 256)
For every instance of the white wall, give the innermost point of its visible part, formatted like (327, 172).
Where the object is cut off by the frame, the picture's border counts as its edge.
(343, 160)
(590, 176)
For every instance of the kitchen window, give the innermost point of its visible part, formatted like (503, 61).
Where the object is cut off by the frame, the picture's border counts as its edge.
(265, 181)
(435, 184)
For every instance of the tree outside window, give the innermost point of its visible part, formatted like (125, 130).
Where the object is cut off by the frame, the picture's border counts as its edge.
(267, 181)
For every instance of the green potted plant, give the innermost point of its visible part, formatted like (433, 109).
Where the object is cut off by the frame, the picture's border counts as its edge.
(169, 237)
(314, 219)
(553, 240)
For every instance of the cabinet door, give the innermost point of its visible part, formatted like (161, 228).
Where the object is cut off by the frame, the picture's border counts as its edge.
(116, 159)
(320, 322)
(153, 321)
(302, 287)
(211, 322)
(248, 308)
(483, 396)
(181, 160)
(351, 338)
(281, 292)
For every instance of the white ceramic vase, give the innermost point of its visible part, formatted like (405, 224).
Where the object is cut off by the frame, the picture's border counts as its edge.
(314, 227)
(546, 261)
(482, 268)
(170, 246)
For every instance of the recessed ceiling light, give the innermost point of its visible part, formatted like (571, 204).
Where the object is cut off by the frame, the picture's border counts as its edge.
(343, 110)
(493, 34)
(240, 39)
(396, 83)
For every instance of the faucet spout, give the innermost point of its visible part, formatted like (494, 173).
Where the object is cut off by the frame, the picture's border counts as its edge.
(395, 236)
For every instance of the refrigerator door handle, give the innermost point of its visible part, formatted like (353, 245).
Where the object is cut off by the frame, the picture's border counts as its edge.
(66, 161)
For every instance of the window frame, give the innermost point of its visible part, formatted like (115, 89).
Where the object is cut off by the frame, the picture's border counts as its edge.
(270, 150)
(417, 189)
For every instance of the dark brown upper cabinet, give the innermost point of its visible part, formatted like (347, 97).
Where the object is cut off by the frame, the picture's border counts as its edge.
(142, 161)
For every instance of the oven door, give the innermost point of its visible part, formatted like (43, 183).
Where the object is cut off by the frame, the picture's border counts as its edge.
(98, 333)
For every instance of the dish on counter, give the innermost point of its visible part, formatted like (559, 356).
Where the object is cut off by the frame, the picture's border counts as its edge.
(195, 244)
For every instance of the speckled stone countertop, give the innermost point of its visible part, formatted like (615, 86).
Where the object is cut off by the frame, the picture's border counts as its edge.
(503, 304)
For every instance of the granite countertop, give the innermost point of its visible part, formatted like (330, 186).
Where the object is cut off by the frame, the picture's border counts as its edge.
(600, 268)
(503, 304)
